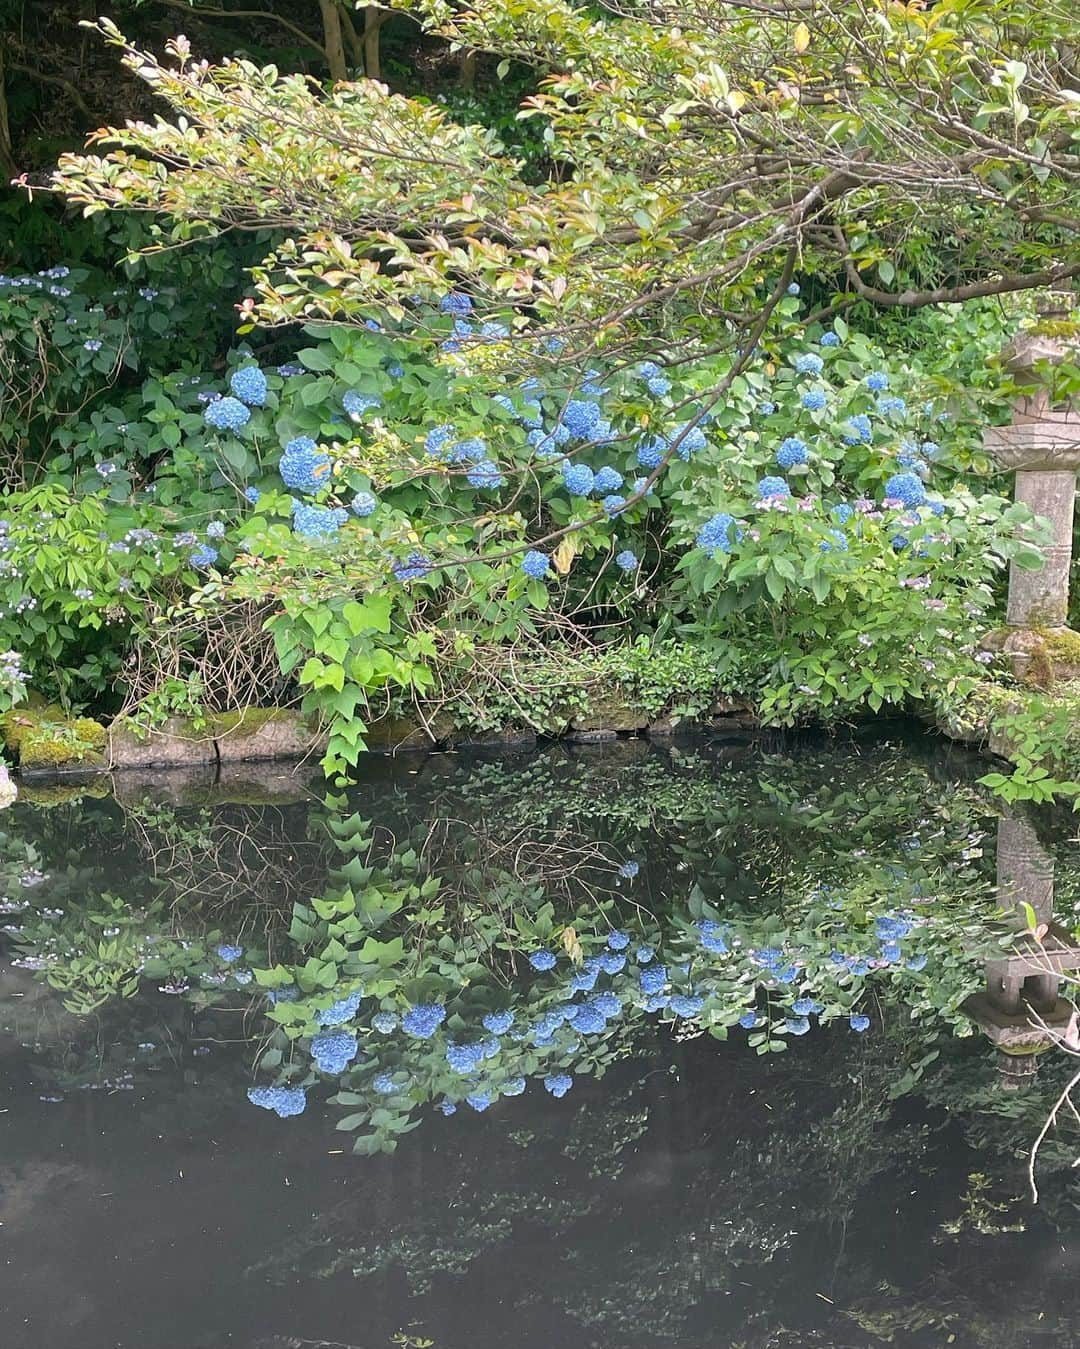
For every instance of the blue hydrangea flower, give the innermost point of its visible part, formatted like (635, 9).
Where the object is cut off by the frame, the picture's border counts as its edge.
(808, 363)
(606, 480)
(626, 560)
(318, 522)
(877, 380)
(422, 1021)
(830, 340)
(766, 407)
(356, 404)
(535, 564)
(690, 439)
(583, 981)
(858, 1022)
(834, 542)
(628, 870)
(249, 385)
(204, 556)
(558, 1084)
(651, 453)
(794, 288)
(464, 1059)
(438, 438)
(229, 954)
(613, 504)
(644, 954)
(579, 478)
(333, 1050)
(917, 963)
(791, 452)
(906, 487)
(890, 405)
(607, 1004)
(813, 400)
(514, 1087)
(384, 1084)
(806, 1007)
(303, 466)
(227, 414)
(252, 494)
(363, 504)
(498, 1022)
(341, 1011)
(749, 1020)
(588, 1020)
(653, 979)
(772, 486)
(276, 995)
(457, 303)
(716, 533)
(485, 475)
(384, 1022)
(862, 431)
(618, 941)
(899, 542)
(842, 512)
(283, 1101)
(787, 975)
(447, 1106)
(931, 449)
(611, 963)
(542, 960)
(685, 1005)
(796, 1025)
(415, 567)
(215, 530)
(479, 1100)
(581, 418)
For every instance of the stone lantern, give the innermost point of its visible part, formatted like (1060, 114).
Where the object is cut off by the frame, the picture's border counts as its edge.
(1042, 448)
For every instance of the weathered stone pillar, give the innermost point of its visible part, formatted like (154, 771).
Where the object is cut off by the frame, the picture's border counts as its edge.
(1042, 447)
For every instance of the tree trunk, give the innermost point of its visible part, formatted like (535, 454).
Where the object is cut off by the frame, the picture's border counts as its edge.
(467, 73)
(7, 153)
(333, 39)
(372, 23)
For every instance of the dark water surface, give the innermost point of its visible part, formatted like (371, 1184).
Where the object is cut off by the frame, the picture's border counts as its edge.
(858, 1189)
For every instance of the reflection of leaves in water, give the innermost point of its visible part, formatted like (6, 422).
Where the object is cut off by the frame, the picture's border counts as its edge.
(611, 1127)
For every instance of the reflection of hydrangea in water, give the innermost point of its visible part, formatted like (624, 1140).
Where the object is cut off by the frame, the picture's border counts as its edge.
(333, 1050)
(542, 960)
(283, 1101)
(859, 1022)
(341, 1011)
(423, 1021)
(384, 1022)
(498, 1022)
(227, 414)
(653, 979)
(558, 1084)
(229, 954)
(249, 385)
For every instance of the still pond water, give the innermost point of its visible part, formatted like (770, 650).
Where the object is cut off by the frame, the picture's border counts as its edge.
(582, 1144)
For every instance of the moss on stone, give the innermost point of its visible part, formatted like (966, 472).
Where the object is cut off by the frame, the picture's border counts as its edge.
(1063, 328)
(247, 720)
(42, 737)
(1062, 644)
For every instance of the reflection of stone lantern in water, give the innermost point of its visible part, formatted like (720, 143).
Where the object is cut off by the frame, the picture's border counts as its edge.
(1022, 1009)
